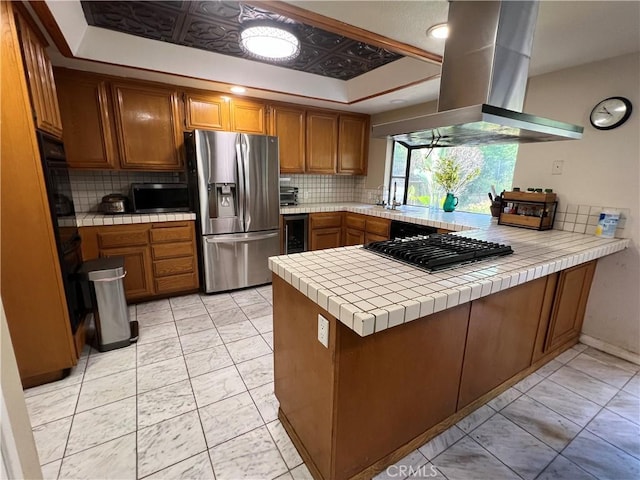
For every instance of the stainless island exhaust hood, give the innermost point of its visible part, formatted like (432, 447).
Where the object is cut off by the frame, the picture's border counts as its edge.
(483, 83)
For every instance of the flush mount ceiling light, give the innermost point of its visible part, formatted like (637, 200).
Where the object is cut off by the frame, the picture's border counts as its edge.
(439, 31)
(269, 42)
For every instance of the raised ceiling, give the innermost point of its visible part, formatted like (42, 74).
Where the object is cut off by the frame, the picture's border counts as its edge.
(568, 33)
(216, 27)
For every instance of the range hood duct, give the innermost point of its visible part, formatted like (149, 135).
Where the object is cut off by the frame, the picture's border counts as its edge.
(483, 83)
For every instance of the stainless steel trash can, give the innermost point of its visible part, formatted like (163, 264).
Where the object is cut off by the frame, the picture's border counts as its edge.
(110, 311)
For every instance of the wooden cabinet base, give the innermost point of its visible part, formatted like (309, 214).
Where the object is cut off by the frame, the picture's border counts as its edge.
(185, 283)
(336, 412)
(362, 408)
(49, 377)
(160, 258)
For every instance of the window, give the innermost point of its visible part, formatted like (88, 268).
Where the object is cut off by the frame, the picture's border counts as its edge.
(413, 168)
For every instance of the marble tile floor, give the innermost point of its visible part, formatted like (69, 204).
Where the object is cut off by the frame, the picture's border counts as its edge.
(194, 399)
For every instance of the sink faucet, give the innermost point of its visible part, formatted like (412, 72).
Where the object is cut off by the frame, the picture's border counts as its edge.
(380, 196)
(393, 203)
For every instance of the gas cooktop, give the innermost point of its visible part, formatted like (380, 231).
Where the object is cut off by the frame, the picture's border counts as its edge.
(439, 251)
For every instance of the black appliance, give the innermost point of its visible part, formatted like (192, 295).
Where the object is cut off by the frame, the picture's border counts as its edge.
(56, 175)
(404, 229)
(160, 197)
(288, 196)
(439, 251)
(295, 233)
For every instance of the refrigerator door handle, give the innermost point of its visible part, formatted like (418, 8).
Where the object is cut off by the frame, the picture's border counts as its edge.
(242, 205)
(237, 239)
(247, 190)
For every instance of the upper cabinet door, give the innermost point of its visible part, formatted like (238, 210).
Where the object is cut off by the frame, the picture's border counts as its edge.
(248, 116)
(148, 125)
(352, 144)
(288, 124)
(206, 110)
(89, 136)
(42, 88)
(322, 142)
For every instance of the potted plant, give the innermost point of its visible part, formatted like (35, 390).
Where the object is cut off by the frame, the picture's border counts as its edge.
(453, 177)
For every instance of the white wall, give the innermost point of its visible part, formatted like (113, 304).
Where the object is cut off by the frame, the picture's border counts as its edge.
(599, 170)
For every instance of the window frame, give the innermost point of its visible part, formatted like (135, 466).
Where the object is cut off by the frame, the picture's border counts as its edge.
(409, 150)
(407, 170)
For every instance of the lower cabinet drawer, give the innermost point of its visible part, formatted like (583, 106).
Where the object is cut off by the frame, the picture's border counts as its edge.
(117, 236)
(173, 266)
(171, 234)
(172, 250)
(177, 283)
(325, 220)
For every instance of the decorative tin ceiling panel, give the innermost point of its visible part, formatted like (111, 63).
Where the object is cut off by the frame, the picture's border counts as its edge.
(215, 26)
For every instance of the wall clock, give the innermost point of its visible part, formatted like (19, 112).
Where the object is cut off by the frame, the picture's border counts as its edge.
(610, 113)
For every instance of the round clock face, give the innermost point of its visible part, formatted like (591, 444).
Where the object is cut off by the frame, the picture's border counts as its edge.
(610, 113)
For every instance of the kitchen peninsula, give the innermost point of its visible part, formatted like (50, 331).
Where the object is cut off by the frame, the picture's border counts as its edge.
(410, 352)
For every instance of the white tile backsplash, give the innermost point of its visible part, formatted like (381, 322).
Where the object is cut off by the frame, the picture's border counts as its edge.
(326, 188)
(584, 218)
(88, 188)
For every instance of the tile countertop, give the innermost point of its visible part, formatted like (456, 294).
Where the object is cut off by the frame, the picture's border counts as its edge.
(456, 221)
(100, 219)
(369, 293)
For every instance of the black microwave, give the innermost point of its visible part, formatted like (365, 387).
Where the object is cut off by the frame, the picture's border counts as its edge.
(160, 197)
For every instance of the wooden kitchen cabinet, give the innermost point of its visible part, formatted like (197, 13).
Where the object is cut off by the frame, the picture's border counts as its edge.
(138, 283)
(355, 221)
(353, 141)
(175, 260)
(160, 258)
(378, 227)
(500, 339)
(148, 126)
(207, 110)
(570, 303)
(353, 237)
(115, 123)
(326, 238)
(31, 283)
(289, 124)
(42, 87)
(325, 230)
(89, 133)
(362, 229)
(322, 142)
(248, 116)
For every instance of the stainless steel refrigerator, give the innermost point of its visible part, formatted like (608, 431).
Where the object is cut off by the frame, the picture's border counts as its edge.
(235, 180)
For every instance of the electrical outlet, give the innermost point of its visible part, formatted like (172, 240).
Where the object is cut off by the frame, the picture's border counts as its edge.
(305, 194)
(323, 330)
(556, 168)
